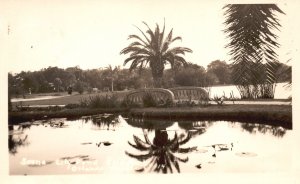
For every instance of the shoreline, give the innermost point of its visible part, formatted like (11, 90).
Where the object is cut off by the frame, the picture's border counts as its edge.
(278, 115)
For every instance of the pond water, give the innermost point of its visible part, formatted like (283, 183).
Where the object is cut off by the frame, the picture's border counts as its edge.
(108, 143)
(281, 91)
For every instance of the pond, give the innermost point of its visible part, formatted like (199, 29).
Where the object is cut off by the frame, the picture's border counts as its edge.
(107, 143)
(282, 91)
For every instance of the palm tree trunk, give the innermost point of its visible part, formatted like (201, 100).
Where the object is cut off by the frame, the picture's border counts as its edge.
(161, 138)
(157, 70)
(158, 82)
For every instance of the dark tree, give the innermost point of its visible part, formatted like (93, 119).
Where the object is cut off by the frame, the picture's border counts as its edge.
(154, 50)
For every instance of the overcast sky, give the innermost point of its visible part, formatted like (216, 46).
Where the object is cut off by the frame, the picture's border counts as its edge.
(36, 34)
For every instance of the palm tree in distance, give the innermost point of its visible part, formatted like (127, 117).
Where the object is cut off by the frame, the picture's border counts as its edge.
(252, 47)
(112, 74)
(153, 49)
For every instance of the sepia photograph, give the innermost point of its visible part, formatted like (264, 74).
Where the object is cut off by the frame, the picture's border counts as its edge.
(140, 88)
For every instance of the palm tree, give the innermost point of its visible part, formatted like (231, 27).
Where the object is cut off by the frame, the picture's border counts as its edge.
(252, 44)
(154, 50)
(161, 151)
(112, 74)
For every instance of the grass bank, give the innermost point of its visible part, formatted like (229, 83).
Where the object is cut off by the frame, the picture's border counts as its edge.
(267, 114)
(22, 116)
(65, 100)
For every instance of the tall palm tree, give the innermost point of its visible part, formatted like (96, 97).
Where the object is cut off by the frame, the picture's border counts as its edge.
(154, 50)
(252, 45)
(161, 151)
(112, 74)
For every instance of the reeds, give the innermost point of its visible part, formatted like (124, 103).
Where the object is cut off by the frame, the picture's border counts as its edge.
(100, 101)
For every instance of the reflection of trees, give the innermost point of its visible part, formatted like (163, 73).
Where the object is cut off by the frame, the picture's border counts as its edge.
(104, 121)
(16, 138)
(195, 127)
(150, 124)
(161, 151)
(253, 128)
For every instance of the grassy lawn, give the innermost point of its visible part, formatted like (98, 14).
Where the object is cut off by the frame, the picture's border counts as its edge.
(75, 98)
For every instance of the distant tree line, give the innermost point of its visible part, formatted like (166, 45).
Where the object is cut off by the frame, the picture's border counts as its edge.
(54, 79)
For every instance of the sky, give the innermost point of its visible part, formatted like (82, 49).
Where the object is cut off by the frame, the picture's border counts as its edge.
(90, 34)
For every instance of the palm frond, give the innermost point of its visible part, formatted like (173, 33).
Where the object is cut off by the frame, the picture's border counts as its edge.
(141, 157)
(252, 43)
(153, 49)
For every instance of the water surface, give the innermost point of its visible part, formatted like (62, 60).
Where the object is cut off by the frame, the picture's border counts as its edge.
(112, 144)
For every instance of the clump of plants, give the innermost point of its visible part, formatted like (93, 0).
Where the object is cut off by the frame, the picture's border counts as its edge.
(203, 100)
(185, 103)
(218, 100)
(72, 106)
(130, 103)
(100, 101)
(149, 100)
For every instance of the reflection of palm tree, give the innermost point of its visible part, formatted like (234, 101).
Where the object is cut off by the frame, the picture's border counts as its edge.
(161, 151)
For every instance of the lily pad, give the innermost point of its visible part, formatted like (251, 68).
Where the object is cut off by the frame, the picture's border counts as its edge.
(198, 166)
(85, 143)
(139, 169)
(201, 150)
(246, 154)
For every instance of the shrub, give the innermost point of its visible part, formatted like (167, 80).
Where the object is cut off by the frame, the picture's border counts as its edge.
(167, 103)
(72, 106)
(185, 103)
(90, 90)
(70, 90)
(84, 102)
(129, 103)
(79, 87)
(100, 101)
(218, 100)
(149, 100)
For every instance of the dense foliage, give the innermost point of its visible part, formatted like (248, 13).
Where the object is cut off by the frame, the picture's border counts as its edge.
(53, 78)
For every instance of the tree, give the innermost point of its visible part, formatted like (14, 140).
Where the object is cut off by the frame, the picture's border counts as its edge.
(79, 87)
(154, 50)
(57, 83)
(221, 70)
(112, 75)
(191, 75)
(252, 44)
